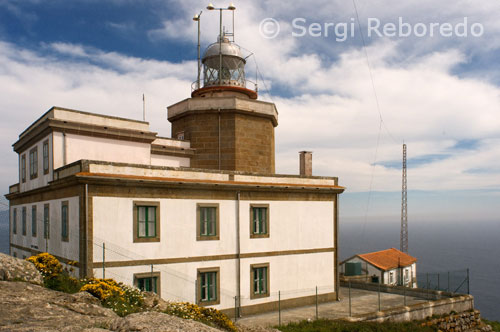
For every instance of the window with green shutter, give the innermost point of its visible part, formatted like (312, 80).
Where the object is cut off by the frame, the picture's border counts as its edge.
(259, 220)
(23, 220)
(64, 221)
(33, 220)
(45, 157)
(146, 221)
(207, 221)
(208, 286)
(259, 280)
(14, 221)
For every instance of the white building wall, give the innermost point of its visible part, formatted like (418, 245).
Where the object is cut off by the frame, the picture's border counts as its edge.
(172, 161)
(106, 149)
(294, 225)
(55, 246)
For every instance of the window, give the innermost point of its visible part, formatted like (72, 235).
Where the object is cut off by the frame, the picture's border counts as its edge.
(259, 277)
(46, 221)
(391, 277)
(146, 221)
(64, 221)
(45, 157)
(259, 220)
(208, 286)
(34, 163)
(207, 225)
(23, 168)
(23, 221)
(149, 282)
(33, 220)
(14, 221)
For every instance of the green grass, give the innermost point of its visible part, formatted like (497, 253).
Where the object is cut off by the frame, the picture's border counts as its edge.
(324, 325)
(494, 324)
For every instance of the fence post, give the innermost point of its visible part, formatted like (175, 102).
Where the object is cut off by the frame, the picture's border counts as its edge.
(350, 310)
(104, 260)
(316, 302)
(468, 282)
(404, 296)
(449, 288)
(153, 284)
(427, 277)
(279, 308)
(379, 306)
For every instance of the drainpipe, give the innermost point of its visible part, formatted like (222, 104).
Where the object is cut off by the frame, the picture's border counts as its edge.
(64, 149)
(219, 138)
(238, 255)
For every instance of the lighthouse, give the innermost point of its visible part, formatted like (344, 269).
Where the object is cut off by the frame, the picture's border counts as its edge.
(226, 123)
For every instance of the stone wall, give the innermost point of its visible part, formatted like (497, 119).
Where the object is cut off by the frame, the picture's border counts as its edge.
(246, 141)
(465, 321)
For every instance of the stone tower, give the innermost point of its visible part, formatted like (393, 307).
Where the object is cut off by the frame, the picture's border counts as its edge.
(227, 126)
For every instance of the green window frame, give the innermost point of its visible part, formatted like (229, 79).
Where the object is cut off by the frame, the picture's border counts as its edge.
(45, 153)
(207, 221)
(259, 276)
(46, 221)
(34, 163)
(146, 221)
(208, 286)
(33, 220)
(65, 221)
(259, 220)
(14, 221)
(23, 168)
(148, 284)
(23, 220)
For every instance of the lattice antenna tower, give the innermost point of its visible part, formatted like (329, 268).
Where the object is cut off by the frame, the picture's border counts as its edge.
(404, 208)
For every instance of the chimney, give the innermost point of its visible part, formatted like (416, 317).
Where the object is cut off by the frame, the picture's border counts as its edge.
(306, 163)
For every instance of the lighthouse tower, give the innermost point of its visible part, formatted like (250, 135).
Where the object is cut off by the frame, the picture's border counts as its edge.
(226, 124)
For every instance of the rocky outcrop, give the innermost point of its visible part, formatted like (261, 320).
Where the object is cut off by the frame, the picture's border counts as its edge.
(14, 269)
(27, 307)
(157, 322)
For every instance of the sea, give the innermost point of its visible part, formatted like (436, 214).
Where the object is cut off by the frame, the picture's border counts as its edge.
(440, 247)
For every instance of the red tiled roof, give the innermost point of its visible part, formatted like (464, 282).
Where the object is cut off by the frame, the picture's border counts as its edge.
(388, 259)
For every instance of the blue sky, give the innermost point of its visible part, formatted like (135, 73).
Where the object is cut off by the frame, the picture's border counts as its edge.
(441, 95)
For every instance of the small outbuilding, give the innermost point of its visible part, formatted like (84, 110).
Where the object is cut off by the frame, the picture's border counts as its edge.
(390, 267)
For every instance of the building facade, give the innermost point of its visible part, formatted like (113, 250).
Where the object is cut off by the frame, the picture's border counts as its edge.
(201, 217)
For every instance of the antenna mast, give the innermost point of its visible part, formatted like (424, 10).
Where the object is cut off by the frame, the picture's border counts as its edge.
(404, 208)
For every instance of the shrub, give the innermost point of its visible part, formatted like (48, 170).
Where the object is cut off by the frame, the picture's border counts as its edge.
(101, 288)
(47, 264)
(208, 316)
(122, 299)
(54, 275)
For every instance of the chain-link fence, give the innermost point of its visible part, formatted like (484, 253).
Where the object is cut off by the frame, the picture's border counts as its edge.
(457, 281)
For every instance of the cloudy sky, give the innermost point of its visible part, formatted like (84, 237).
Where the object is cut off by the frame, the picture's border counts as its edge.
(346, 88)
